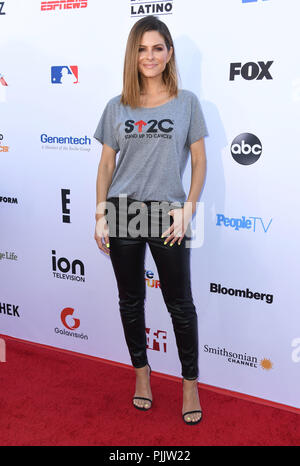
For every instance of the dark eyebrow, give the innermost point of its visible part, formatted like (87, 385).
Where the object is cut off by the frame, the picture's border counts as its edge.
(153, 45)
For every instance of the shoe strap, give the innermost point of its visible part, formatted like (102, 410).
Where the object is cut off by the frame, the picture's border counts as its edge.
(141, 398)
(190, 412)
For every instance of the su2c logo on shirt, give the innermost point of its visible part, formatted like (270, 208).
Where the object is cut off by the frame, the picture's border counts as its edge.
(149, 129)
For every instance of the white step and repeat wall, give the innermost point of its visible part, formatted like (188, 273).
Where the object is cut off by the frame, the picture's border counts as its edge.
(61, 61)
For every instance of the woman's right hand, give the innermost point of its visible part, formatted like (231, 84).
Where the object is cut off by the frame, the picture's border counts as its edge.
(102, 233)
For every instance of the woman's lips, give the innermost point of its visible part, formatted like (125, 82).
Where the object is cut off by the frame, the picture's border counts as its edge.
(149, 66)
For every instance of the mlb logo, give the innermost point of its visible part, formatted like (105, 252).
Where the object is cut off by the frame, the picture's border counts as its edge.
(64, 74)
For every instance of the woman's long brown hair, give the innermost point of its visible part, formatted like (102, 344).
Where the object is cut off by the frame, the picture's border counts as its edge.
(132, 84)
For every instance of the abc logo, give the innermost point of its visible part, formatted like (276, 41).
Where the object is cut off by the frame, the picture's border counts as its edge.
(246, 148)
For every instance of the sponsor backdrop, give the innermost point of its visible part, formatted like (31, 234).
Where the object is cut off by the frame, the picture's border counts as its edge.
(61, 61)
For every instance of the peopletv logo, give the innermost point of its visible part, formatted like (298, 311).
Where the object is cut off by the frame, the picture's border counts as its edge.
(244, 223)
(246, 148)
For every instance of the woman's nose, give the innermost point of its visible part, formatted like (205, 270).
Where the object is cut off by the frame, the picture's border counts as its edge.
(149, 53)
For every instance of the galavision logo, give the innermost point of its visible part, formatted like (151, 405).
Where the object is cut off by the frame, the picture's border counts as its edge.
(71, 323)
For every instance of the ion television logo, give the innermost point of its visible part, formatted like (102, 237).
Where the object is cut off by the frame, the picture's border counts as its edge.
(246, 148)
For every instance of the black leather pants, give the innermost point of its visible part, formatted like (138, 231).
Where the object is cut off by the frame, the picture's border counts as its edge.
(127, 255)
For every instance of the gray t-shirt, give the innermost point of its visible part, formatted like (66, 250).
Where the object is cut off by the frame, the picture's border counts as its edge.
(153, 145)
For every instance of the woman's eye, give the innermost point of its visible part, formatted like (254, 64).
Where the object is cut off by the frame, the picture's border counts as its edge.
(156, 48)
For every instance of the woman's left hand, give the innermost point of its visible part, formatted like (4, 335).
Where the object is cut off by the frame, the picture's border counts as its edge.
(179, 226)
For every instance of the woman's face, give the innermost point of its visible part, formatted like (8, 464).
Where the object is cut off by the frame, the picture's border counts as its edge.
(153, 54)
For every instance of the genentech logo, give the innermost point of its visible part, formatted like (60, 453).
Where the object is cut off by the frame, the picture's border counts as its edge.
(251, 71)
(296, 351)
(246, 149)
(71, 323)
(62, 266)
(2, 12)
(238, 293)
(142, 8)
(150, 280)
(3, 147)
(9, 309)
(65, 200)
(64, 74)
(156, 340)
(63, 5)
(65, 143)
(253, 224)
(243, 359)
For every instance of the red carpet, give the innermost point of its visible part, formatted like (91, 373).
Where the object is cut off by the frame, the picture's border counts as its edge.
(52, 398)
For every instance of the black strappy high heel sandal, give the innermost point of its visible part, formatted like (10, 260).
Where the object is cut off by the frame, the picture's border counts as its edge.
(191, 423)
(143, 398)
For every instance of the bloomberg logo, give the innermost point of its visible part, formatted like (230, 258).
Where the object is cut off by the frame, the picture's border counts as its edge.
(243, 223)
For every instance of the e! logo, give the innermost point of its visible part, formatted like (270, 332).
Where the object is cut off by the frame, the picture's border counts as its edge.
(68, 311)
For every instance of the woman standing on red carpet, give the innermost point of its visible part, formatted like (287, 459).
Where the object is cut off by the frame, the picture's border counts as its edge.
(154, 126)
